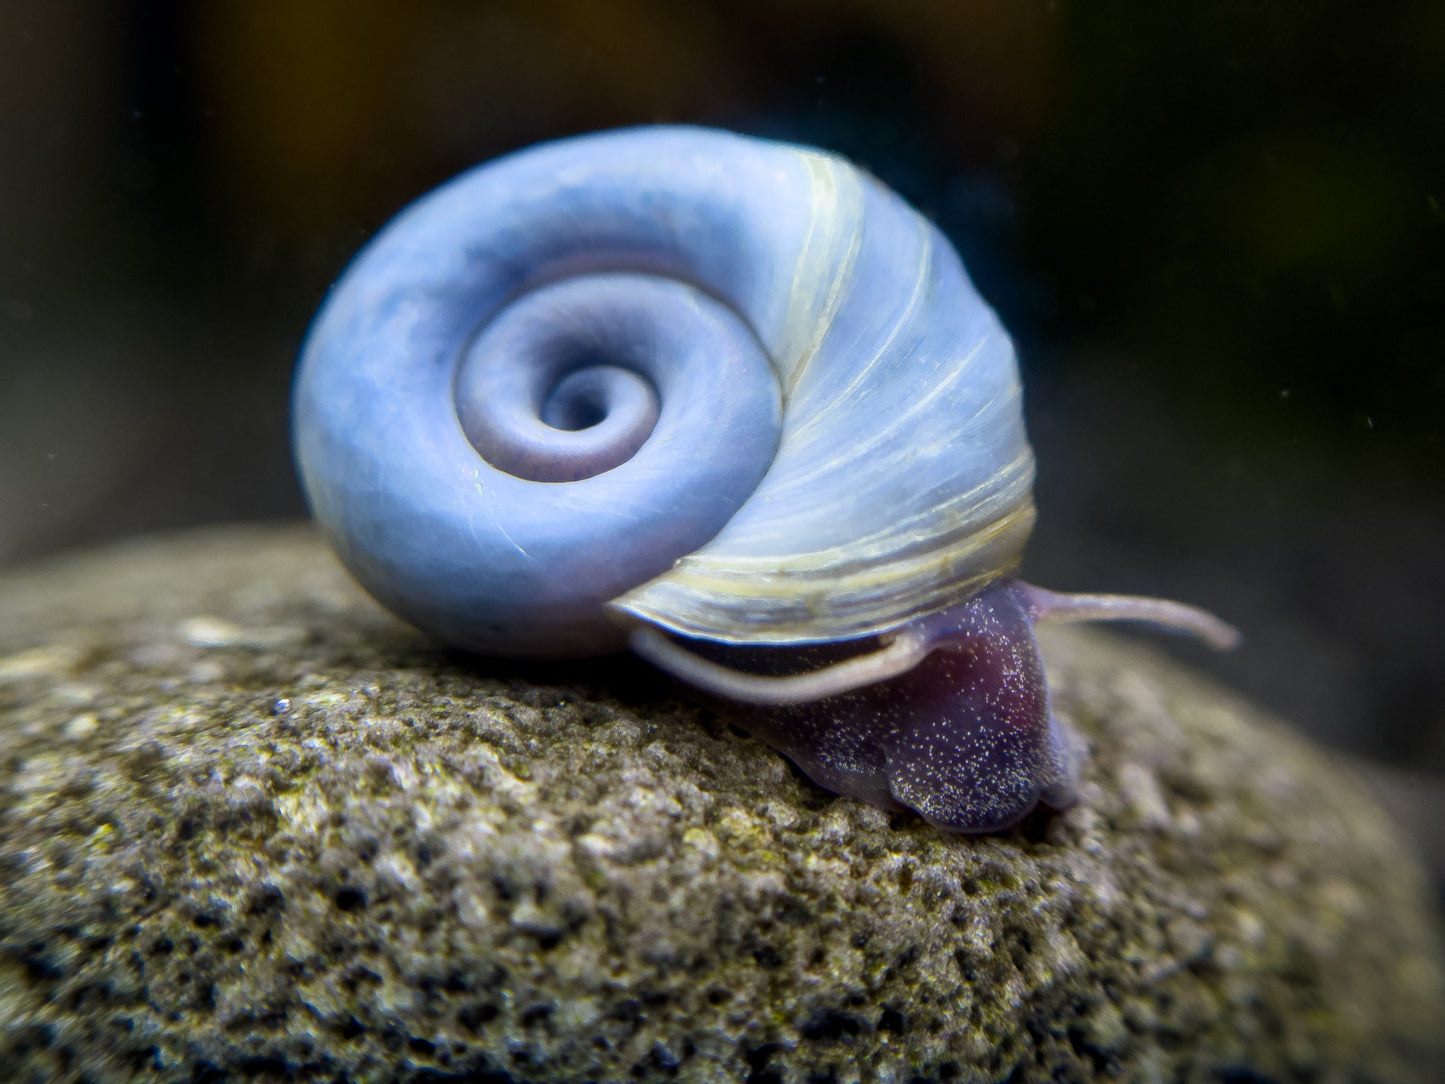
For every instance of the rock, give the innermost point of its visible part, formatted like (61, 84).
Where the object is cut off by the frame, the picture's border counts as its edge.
(254, 829)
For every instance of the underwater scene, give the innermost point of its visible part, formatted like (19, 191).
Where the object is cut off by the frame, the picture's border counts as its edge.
(768, 542)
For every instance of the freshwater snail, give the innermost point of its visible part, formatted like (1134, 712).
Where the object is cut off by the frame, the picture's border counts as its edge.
(729, 402)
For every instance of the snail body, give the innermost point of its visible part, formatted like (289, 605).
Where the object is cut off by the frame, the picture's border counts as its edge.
(728, 401)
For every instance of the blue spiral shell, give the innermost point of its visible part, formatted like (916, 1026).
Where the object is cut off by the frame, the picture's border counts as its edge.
(733, 388)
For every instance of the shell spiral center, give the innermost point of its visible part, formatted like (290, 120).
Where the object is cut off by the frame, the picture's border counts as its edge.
(575, 377)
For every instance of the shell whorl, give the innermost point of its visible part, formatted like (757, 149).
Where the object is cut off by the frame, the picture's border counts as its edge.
(862, 458)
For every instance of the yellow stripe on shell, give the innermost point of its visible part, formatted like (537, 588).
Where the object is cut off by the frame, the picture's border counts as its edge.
(758, 602)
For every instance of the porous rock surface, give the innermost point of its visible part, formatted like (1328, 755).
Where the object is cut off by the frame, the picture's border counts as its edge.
(252, 829)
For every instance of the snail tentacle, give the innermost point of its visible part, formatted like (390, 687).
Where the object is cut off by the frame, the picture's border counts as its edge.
(902, 651)
(1058, 608)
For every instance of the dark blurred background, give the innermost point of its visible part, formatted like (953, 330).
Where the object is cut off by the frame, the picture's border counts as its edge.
(1215, 229)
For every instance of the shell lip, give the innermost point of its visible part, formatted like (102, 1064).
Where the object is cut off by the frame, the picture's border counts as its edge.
(799, 605)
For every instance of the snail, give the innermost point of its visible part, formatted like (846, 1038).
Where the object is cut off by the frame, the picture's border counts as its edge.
(728, 402)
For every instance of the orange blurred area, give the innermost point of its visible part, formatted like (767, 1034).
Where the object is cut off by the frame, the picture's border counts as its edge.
(320, 108)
